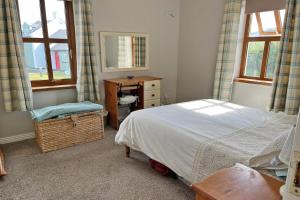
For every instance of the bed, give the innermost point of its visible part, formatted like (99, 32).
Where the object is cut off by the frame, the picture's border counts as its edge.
(197, 138)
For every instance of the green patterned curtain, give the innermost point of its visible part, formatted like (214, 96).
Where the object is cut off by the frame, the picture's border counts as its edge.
(87, 76)
(286, 81)
(124, 51)
(227, 50)
(140, 51)
(15, 83)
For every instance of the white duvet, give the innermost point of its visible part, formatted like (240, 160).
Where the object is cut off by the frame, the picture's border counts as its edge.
(195, 139)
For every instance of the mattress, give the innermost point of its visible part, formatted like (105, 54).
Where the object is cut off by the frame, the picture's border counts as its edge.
(197, 138)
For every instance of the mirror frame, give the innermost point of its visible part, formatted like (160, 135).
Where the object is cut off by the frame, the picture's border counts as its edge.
(104, 67)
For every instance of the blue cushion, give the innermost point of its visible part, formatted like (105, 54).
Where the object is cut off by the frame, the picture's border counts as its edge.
(64, 109)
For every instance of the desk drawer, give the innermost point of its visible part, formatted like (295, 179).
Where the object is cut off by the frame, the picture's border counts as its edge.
(151, 94)
(152, 85)
(152, 103)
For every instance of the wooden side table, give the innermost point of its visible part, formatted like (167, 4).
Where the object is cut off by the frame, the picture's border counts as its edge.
(147, 88)
(238, 183)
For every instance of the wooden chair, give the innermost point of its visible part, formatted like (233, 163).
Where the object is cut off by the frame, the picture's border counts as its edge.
(2, 170)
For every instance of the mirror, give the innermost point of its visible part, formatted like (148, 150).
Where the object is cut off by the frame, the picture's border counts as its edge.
(124, 51)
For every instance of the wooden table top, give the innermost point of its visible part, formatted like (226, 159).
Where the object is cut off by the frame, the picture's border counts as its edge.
(239, 183)
(138, 79)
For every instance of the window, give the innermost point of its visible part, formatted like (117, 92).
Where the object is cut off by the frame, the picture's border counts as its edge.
(49, 42)
(261, 45)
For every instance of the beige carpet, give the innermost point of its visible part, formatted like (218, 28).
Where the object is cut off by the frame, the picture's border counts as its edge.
(97, 170)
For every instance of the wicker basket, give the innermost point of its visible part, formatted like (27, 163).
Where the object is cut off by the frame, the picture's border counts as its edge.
(54, 134)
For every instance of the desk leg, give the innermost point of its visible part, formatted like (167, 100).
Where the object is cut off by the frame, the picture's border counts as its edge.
(127, 150)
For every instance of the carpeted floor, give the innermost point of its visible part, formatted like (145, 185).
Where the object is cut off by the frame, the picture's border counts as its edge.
(97, 170)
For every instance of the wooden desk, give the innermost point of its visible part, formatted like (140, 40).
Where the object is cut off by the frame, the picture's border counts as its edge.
(148, 92)
(238, 183)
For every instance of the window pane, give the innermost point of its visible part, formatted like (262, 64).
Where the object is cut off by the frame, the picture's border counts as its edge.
(282, 16)
(273, 53)
(254, 59)
(56, 19)
(60, 60)
(30, 16)
(254, 27)
(35, 61)
(268, 21)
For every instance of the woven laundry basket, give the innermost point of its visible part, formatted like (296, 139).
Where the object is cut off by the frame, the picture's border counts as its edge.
(54, 134)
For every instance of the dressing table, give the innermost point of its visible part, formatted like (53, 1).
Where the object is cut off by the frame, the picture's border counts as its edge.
(147, 89)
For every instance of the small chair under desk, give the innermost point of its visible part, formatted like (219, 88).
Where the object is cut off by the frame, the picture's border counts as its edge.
(147, 89)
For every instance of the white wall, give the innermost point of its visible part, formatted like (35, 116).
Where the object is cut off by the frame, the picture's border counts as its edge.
(149, 16)
(20, 122)
(146, 16)
(200, 27)
(253, 95)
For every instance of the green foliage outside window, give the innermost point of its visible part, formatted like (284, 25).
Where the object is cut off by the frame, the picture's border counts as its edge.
(273, 53)
(254, 58)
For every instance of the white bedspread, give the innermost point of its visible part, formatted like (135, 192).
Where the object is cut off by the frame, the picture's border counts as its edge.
(195, 139)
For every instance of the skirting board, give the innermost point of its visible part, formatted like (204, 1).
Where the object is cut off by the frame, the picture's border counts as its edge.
(17, 138)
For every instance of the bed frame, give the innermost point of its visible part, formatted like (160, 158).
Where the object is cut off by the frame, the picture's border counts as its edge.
(127, 151)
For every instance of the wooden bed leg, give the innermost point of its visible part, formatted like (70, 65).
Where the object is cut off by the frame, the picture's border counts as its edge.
(127, 151)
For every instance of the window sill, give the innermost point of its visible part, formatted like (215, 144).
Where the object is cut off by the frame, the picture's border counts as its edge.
(253, 81)
(56, 87)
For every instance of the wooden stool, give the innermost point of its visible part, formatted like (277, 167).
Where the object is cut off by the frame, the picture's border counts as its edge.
(238, 183)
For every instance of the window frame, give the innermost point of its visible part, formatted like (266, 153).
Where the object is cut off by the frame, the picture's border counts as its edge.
(267, 38)
(51, 83)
